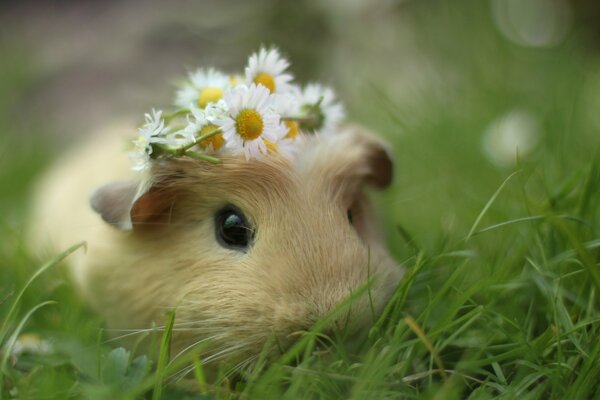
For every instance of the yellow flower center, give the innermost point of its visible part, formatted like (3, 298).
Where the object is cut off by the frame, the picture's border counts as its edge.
(209, 95)
(271, 147)
(266, 80)
(249, 124)
(234, 80)
(292, 129)
(217, 140)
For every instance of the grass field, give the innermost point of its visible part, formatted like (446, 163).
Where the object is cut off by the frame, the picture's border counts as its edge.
(500, 297)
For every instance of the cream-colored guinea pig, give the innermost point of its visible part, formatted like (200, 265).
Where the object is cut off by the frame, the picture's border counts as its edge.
(243, 249)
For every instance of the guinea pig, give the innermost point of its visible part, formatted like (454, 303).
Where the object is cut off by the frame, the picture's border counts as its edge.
(243, 250)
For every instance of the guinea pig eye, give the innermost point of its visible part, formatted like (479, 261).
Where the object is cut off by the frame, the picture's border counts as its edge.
(232, 229)
(349, 213)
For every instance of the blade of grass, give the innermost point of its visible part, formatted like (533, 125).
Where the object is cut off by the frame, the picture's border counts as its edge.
(371, 305)
(13, 309)
(489, 204)
(13, 338)
(580, 249)
(394, 306)
(511, 222)
(463, 323)
(408, 238)
(303, 347)
(163, 357)
(414, 326)
(591, 182)
(200, 376)
(586, 376)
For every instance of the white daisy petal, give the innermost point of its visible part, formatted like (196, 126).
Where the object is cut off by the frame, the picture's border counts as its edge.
(250, 126)
(267, 68)
(262, 147)
(202, 87)
(153, 131)
(331, 112)
(286, 104)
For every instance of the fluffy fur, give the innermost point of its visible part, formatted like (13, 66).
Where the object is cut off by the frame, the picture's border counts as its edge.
(305, 259)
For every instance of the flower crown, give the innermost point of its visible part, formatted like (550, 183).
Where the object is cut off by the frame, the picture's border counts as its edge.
(253, 114)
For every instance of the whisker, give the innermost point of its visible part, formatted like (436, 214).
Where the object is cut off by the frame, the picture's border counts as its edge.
(180, 327)
(179, 375)
(222, 354)
(191, 346)
(241, 365)
(133, 333)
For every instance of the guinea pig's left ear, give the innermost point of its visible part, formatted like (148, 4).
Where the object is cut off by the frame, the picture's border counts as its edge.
(128, 204)
(113, 202)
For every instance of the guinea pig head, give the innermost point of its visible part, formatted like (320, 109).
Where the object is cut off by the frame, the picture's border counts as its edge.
(249, 250)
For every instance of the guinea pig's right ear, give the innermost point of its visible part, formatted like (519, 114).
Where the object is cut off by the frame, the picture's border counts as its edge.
(128, 204)
(351, 157)
(381, 166)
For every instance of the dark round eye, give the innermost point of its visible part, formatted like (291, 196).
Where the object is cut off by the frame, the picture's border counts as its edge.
(349, 213)
(232, 229)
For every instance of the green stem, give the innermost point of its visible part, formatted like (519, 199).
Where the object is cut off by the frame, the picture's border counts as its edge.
(160, 149)
(204, 157)
(301, 120)
(318, 103)
(170, 117)
(197, 140)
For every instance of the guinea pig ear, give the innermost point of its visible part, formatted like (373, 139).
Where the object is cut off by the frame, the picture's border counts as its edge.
(128, 204)
(152, 205)
(366, 156)
(380, 164)
(113, 202)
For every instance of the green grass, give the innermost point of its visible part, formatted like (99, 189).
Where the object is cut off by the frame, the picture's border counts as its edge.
(501, 293)
(508, 309)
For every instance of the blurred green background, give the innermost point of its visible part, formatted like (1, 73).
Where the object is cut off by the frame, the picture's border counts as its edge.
(466, 92)
(433, 77)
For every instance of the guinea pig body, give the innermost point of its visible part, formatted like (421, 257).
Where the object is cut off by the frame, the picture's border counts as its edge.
(244, 250)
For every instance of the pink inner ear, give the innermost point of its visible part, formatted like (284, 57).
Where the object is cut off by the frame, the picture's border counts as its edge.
(152, 206)
(382, 168)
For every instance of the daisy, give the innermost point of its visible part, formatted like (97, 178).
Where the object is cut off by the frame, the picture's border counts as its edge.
(250, 126)
(153, 131)
(267, 68)
(236, 79)
(328, 113)
(202, 88)
(32, 344)
(200, 123)
(216, 110)
(287, 105)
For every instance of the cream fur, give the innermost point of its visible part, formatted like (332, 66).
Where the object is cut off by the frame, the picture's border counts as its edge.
(306, 257)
